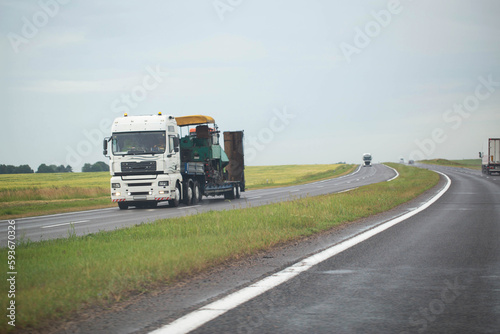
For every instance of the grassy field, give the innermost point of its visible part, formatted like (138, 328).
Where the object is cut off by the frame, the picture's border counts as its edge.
(59, 278)
(464, 163)
(24, 195)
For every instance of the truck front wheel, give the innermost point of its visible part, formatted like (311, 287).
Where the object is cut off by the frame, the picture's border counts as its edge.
(175, 202)
(122, 205)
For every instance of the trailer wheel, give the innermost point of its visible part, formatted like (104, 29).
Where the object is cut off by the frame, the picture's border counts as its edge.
(175, 202)
(196, 193)
(230, 194)
(122, 205)
(237, 191)
(200, 197)
(188, 192)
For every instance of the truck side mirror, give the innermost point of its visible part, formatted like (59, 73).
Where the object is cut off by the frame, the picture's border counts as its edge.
(480, 154)
(176, 144)
(105, 147)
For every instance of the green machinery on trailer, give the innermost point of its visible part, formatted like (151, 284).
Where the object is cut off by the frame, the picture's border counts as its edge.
(204, 162)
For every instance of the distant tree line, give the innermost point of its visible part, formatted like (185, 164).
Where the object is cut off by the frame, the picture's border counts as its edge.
(97, 167)
(10, 169)
(43, 168)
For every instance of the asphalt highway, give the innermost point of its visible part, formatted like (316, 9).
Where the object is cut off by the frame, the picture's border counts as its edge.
(85, 222)
(436, 272)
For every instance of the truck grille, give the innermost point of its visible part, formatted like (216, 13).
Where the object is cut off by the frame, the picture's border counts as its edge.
(138, 167)
(139, 184)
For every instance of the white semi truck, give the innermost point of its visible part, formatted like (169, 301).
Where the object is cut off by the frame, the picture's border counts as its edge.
(367, 159)
(150, 163)
(491, 156)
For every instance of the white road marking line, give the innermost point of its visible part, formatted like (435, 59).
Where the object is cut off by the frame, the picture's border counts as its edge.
(397, 174)
(64, 214)
(189, 207)
(62, 224)
(213, 310)
(255, 197)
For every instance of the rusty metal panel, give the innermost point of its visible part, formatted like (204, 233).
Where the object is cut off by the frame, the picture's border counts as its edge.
(233, 146)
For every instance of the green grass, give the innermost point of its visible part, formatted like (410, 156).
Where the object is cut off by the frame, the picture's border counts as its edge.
(464, 163)
(24, 195)
(59, 278)
(53, 180)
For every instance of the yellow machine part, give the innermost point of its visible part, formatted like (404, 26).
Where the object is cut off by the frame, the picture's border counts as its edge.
(193, 120)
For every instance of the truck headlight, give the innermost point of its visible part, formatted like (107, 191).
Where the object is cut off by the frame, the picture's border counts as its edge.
(163, 184)
(116, 193)
(115, 185)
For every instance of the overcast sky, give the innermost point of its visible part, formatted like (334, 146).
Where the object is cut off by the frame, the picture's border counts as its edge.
(309, 81)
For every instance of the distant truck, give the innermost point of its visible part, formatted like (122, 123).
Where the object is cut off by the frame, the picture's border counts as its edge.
(491, 158)
(367, 159)
(150, 163)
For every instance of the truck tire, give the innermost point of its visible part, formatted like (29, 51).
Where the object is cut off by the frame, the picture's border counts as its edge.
(200, 197)
(188, 192)
(175, 202)
(237, 187)
(230, 193)
(122, 205)
(196, 193)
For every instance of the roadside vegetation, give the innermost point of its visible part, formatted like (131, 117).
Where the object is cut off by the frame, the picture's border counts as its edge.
(59, 278)
(24, 195)
(464, 163)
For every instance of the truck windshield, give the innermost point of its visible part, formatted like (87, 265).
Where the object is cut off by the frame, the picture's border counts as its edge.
(151, 142)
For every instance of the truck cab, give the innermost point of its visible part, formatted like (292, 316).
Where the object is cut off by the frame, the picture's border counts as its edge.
(367, 159)
(144, 160)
